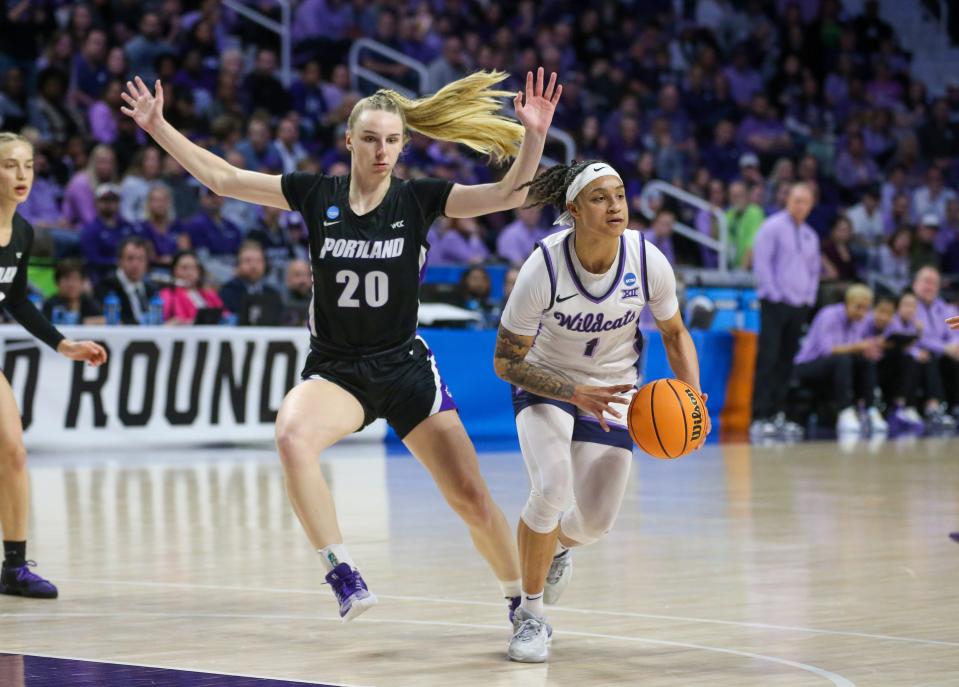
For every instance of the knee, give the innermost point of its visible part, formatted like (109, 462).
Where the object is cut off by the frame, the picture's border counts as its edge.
(293, 445)
(544, 508)
(587, 527)
(473, 504)
(13, 458)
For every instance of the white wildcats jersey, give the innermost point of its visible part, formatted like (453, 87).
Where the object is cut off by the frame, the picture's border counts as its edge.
(587, 325)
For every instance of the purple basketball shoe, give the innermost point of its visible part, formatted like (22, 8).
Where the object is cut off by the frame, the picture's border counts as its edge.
(21, 581)
(351, 591)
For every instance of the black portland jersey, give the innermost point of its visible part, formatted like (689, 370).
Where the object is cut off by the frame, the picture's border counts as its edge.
(14, 258)
(366, 268)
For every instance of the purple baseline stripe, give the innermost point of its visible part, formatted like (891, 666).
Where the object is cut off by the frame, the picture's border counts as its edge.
(38, 671)
(551, 271)
(642, 266)
(579, 284)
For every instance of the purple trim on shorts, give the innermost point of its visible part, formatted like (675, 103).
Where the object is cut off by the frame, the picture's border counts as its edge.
(588, 429)
(426, 261)
(524, 399)
(642, 266)
(447, 402)
(579, 285)
(551, 271)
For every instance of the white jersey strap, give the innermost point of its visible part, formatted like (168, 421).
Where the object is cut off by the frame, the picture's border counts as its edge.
(551, 271)
(643, 271)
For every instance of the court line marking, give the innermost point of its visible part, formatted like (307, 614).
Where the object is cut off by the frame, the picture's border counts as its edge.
(563, 609)
(834, 678)
(182, 670)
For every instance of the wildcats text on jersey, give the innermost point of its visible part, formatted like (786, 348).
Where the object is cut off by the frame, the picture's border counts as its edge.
(350, 248)
(593, 322)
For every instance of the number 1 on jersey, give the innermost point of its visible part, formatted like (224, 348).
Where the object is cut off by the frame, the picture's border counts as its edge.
(591, 347)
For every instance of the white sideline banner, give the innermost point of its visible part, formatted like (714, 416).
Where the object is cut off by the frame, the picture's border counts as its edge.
(162, 386)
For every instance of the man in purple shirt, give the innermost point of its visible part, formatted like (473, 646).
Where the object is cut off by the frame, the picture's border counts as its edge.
(940, 374)
(100, 238)
(786, 265)
(838, 358)
(459, 244)
(517, 239)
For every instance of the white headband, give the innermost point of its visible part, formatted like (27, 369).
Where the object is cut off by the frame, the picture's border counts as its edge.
(600, 169)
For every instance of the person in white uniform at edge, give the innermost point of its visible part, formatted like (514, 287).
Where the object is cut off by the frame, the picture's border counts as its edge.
(569, 343)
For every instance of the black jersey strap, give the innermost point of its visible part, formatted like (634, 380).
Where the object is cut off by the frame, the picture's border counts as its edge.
(642, 267)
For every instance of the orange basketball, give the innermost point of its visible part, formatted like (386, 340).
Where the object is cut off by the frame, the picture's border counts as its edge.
(666, 419)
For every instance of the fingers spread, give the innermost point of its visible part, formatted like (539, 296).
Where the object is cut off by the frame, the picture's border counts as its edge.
(548, 93)
(539, 82)
(559, 92)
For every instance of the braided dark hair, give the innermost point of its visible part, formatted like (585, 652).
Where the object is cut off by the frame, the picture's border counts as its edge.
(549, 188)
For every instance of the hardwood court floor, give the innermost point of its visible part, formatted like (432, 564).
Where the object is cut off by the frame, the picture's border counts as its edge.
(793, 565)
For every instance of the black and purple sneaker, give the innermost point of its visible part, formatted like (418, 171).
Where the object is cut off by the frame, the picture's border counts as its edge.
(21, 581)
(351, 591)
(514, 602)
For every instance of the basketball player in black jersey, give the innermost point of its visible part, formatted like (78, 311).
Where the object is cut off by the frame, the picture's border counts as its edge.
(16, 240)
(368, 251)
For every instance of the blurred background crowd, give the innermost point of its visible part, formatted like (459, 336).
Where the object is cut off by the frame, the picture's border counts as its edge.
(733, 101)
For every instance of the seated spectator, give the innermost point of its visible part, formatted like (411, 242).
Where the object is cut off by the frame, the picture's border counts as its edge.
(721, 156)
(166, 235)
(923, 251)
(42, 206)
(838, 262)
(299, 293)
(79, 204)
(104, 115)
(509, 281)
(288, 146)
(948, 228)
(762, 132)
(661, 234)
(270, 232)
(898, 369)
(209, 231)
(71, 304)
(933, 197)
(837, 356)
(707, 224)
(100, 238)
(142, 175)
(939, 376)
(188, 296)
(129, 282)
(258, 151)
(247, 295)
(893, 268)
(518, 238)
(473, 293)
(459, 243)
(743, 219)
(855, 169)
(868, 227)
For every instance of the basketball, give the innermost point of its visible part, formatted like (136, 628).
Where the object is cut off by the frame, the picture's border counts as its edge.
(666, 419)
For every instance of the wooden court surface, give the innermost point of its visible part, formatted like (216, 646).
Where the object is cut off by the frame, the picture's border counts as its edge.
(811, 564)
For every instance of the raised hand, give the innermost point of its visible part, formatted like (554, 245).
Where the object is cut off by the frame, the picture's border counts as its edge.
(84, 351)
(145, 109)
(596, 400)
(535, 112)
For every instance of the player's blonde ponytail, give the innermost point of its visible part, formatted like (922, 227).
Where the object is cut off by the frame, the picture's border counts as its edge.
(464, 111)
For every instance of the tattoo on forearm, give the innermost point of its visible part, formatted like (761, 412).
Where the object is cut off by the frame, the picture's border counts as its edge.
(511, 352)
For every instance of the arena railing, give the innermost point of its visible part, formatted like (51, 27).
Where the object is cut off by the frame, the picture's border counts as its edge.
(556, 138)
(720, 245)
(282, 28)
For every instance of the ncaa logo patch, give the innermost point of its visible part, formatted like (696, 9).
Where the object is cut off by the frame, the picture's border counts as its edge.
(629, 279)
(332, 212)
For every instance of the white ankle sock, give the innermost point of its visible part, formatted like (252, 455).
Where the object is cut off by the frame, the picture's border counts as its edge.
(533, 604)
(511, 588)
(333, 555)
(559, 548)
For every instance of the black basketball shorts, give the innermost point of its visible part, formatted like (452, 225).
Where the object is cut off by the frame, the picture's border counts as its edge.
(403, 386)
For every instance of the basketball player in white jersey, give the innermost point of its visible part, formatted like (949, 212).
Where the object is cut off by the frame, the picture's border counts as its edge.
(569, 344)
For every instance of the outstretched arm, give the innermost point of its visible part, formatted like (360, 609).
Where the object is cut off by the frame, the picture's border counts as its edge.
(511, 366)
(210, 170)
(535, 115)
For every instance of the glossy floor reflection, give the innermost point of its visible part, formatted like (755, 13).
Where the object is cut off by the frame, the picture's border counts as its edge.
(811, 564)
